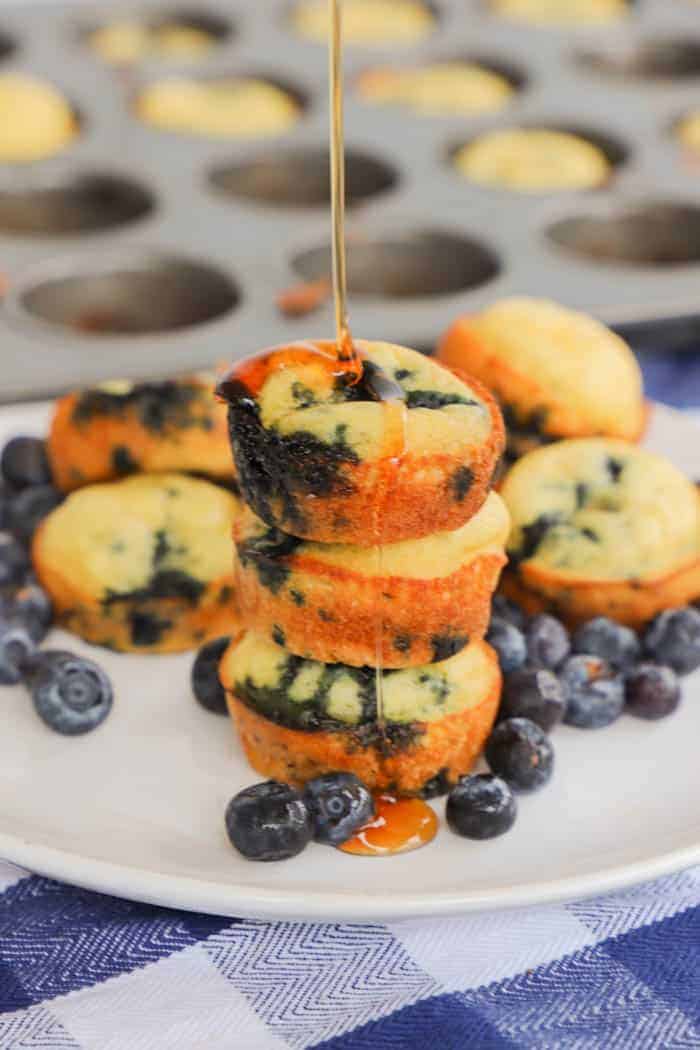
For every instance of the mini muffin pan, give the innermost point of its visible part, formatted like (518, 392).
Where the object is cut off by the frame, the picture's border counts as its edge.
(137, 252)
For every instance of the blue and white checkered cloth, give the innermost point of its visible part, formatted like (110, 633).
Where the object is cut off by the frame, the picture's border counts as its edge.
(83, 971)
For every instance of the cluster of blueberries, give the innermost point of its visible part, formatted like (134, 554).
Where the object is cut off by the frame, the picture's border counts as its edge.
(72, 695)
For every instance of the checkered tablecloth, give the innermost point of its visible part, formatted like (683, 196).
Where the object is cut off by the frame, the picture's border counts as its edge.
(81, 970)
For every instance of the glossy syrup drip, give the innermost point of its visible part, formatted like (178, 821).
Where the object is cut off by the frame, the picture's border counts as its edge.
(399, 826)
(251, 374)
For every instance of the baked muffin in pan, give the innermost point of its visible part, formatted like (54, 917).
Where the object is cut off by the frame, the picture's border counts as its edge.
(373, 22)
(120, 428)
(438, 89)
(408, 450)
(415, 602)
(129, 40)
(601, 528)
(298, 718)
(36, 121)
(562, 12)
(143, 564)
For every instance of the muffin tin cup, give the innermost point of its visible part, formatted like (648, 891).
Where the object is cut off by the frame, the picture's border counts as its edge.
(415, 226)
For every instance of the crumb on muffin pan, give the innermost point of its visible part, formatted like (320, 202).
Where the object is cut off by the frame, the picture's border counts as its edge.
(166, 244)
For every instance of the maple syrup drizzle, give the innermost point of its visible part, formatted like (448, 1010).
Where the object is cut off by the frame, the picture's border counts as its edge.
(399, 826)
(346, 350)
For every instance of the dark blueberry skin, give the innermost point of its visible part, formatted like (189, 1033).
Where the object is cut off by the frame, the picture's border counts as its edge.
(206, 686)
(608, 640)
(673, 638)
(24, 462)
(595, 692)
(31, 606)
(14, 561)
(521, 753)
(652, 691)
(548, 642)
(17, 650)
(509, 644)
(505, 609)
(26, 509)
(72, 695)
(535, 693)
(268, 821)
(339, 804)
(481, 807)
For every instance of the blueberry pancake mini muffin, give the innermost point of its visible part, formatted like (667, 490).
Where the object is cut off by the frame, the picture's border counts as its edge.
(562, 12)
(442, 88)
(601, 528)
(141, 565)
(298, 718)
(408, 450)
(373, 22)
(121, 428)
(36, 121)
(533, 160)
(425, 600)
(556, 373)
(129, 40)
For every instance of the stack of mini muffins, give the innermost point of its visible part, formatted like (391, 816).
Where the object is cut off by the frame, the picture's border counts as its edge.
(366, 558)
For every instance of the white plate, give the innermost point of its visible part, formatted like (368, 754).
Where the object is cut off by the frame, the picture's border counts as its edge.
(136, 808)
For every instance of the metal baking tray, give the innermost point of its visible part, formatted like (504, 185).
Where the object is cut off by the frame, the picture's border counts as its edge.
(182, 244)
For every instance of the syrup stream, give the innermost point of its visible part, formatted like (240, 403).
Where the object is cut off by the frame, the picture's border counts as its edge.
(335, 80)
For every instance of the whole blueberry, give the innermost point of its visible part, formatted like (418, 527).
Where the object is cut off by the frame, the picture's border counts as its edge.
(481, 806)
(595, 692)
(268, 821)
(24, 462)
(505, 609)
(27, 508)
(652, 691)
(547, 641)
(520, 752)
(608, 640)
(71, 694)
(535, 693)
(31, 606)
(509, 644)
(339, 804)
(14, 561)
(17, 650)
(206, 684)
(673, 638)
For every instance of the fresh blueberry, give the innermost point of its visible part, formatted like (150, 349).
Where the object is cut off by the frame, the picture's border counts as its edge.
(71, 694)
(27, 508)
(505, 609)
(31, 606)
(481, 807)
(608, 640)
(339, 804)
(17, 650)
(548, 642)
(595, 692)
(24, 462)
(268, 821)
(673, 638)
(509, 644)
(535, 693)
(206, 685)
(652, 691)
(520, 752)
(14, 561)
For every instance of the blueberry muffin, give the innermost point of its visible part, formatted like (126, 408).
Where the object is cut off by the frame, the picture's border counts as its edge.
(688, 132)
(121, 428)
(601, 528)
(533, 160)
(129, 41)
(366, 21)
(36, 121)
(415, 602)
(298, 718)
(440, 89)
(229, 107)
(556, 373)
(141, 565)
(562, 12)
(407, 451)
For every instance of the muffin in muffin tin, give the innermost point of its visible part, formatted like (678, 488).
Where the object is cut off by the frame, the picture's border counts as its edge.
(141, 565)
(441, 88)
(407, 451)
(372, 22)
(601, 527)
(298, 718)
(36, 121)
(129, 40)
(562, 12)
(557, 373)
(121, 428)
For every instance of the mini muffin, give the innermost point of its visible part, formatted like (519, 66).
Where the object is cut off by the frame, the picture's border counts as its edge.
(557, 373)
(232, 107)
(298, 718)
(407, 451)
(414, 602)
(444, 88)
(688, 132)
(366, 21)
(121, 428)
(141, 565)
(129, 41)
(36, 121)
(601, 528)
(562, 12)
(533, 160)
